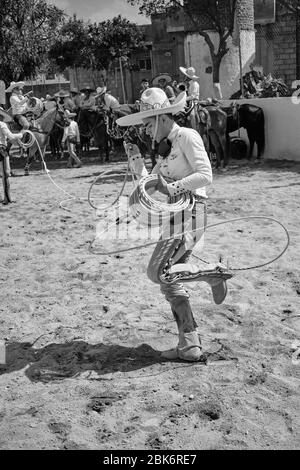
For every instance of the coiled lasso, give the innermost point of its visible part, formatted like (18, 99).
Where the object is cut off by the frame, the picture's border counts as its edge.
(149, 211)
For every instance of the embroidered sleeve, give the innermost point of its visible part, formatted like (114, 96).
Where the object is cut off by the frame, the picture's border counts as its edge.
(192, 146)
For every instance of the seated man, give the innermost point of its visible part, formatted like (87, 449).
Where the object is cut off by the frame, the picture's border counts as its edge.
(164, 82)
(64, 100)
(88, 101)
(107, 101)
(19, 103)
(193, 90)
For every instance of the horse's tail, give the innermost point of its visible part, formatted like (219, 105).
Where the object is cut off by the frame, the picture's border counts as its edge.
(260, 132)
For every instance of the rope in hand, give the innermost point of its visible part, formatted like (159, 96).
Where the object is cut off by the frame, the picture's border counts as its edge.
(149, 205)
(145, 209)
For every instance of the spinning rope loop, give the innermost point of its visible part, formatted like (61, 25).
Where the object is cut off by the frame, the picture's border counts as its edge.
(33, 140)
(143, 207)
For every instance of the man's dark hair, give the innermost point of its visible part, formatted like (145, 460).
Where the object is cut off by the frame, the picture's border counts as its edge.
(144, 80)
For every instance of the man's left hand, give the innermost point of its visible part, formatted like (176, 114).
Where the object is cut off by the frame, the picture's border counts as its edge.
(162, 185)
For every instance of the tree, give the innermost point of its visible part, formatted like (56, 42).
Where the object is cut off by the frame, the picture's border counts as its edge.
(95, 46)
(220, 14)
(27, 29)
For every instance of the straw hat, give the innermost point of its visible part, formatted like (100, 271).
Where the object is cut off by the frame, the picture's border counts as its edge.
(68, 114)
(62, 94)
(154, 102)
(189, 72)
(161, 76)
(101, 90)
(14, 85)
(74, 90)
(5, 116)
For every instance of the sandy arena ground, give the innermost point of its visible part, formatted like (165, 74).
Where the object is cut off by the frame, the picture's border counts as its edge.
(83, 332)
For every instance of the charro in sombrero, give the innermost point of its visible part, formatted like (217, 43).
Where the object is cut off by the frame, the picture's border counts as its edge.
(101, 90)
(161, 76)
(14, 85)
(190, 72)
(5, 116)
(154, 102)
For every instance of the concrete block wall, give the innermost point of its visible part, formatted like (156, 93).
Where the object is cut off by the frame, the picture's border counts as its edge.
(281, 127)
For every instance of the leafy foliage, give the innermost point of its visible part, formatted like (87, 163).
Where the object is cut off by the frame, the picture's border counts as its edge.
(95, 46)
(220, 14)
(27, 30)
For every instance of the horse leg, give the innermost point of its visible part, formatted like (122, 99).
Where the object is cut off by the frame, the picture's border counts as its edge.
(28, 163)
(5, 180)
(251, 144)
(216, 148)
(106, 148)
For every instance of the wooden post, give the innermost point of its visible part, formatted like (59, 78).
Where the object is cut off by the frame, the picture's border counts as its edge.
(122, 80)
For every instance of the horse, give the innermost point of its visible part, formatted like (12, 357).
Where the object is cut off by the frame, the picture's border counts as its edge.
(252, 118)
(42, 130)
(92, 124)
(55, 139)
(211, 123)
(133, 134)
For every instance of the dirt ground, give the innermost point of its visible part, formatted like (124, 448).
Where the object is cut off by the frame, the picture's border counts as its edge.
(83, 332)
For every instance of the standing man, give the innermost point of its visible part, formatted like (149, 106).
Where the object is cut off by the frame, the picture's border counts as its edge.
(19, 103)
(144, 85)
(72, 137)
(6, 135)
(188, 167)
(164, 82)
(193, 91)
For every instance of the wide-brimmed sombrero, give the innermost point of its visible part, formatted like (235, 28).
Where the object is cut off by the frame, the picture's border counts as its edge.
(154, 102)
(5, 116)
(87, 89)
(190, 72)
(161, 76)
(101, 90)
(62, 94)
(14, 85)
(68, 114)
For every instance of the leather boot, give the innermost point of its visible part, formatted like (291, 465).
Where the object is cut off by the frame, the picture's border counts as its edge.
(189, 345)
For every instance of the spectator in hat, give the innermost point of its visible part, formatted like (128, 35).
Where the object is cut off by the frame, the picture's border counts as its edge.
(5, 136)
(19, 103)
(49, 102)
(71, 137)
(64, 100)
(107, 100)
(193, 91)
(164, 82)
(193, 88)
(76, 98)
(88, 101)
